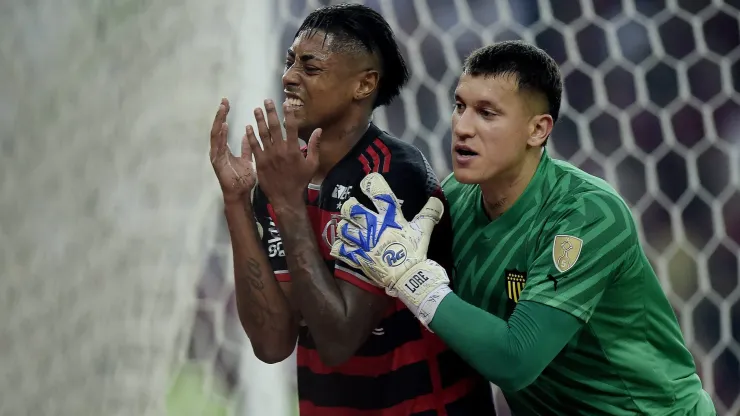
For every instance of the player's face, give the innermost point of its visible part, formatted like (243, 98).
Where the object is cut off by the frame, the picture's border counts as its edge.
(315, 82)
(491, 126)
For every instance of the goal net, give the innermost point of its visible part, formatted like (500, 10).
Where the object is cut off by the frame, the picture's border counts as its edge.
(116, 290)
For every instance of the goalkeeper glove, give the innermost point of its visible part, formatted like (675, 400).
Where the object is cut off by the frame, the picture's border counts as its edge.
(391, 251)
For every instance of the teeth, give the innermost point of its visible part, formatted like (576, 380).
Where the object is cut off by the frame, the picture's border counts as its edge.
(294, 102)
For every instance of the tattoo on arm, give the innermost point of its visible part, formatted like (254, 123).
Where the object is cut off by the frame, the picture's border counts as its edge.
(260, 312)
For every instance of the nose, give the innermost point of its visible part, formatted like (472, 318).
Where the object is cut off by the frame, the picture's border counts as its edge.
(462, 124)
(290, 78)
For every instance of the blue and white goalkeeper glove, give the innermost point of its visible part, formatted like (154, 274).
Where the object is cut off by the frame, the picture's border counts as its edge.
(391, 251)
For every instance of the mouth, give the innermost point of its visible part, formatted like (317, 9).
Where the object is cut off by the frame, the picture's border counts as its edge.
(293, 101)
(464, 151)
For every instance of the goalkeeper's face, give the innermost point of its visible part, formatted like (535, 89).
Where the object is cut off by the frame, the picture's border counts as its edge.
(318, 81)
(494, 128)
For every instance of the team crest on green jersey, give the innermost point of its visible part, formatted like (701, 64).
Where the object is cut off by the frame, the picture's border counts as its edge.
(515, 281)
(565, 252)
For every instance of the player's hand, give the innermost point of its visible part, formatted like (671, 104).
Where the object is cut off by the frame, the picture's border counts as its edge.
(390, 250)
(283, 170)
(236, 175)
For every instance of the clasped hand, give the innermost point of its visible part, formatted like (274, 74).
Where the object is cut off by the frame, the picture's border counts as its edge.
(390, 250)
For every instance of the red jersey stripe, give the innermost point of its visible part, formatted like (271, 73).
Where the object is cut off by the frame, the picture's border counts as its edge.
(283, 277)
(365, 163)
(376, 159)
(341, 274)
(372, 366)
(386, 155)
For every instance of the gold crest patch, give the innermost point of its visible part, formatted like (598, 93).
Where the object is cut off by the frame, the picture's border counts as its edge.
(515, 281)
(565, 252)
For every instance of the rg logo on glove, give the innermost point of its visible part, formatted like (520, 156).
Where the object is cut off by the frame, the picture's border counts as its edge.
(394, 255)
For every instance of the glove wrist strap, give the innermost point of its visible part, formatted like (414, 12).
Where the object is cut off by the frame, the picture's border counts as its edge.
(429, 306)
(425, 308)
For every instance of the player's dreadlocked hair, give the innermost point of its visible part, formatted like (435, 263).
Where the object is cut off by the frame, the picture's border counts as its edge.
(535, 70)
(357, 25)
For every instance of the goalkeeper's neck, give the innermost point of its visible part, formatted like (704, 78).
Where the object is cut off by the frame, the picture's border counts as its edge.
(501, 191)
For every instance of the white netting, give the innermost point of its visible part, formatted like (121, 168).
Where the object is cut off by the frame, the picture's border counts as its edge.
(115, 262)
(109, 205)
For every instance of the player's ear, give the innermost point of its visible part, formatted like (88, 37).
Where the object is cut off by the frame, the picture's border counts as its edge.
(367, 85)
(540, 128)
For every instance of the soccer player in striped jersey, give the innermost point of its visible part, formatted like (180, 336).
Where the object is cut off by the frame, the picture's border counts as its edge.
(360, 352)
(554, 299)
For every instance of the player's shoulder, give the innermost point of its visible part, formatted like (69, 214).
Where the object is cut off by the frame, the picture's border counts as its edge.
(397, 153)
(577, 192)
(399, 159)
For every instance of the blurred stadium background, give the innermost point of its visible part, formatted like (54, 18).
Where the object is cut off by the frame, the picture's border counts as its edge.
(116, 289)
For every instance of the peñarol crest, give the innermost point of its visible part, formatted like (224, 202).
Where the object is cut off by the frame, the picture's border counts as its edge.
(565, 252)
(515, 281)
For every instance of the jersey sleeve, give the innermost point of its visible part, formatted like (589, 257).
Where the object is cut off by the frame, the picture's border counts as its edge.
(270, 236)
(581, 250)
(413, 183)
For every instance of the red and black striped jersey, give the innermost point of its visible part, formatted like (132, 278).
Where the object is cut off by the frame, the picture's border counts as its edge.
(402, 369)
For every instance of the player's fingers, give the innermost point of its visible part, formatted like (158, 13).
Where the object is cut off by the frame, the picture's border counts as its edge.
(291, 126)
(313, 155)
(217, 140)
(220, 118)
(246, 149)
(355, 213)
(377, 189)
(264, 132)
(427, 218)
(341, 250)
(254, 144)
(223, 137)
(430, 213)
(352, 234)
(336, 248)
(273, 123)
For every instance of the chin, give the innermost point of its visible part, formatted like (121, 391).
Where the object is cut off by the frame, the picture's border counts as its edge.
(466, 175)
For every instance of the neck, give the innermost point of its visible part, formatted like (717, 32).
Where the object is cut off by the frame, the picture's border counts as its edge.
(501, 192)
(336, 141)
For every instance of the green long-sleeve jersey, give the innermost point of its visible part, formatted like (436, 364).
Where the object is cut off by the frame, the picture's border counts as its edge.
(569, 242)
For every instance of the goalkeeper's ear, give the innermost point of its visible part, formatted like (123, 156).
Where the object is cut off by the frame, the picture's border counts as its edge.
(427, 218)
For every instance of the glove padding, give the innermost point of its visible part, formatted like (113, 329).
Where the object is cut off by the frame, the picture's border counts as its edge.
(391, 251)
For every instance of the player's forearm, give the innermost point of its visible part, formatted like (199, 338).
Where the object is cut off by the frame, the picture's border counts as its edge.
(509, 354)
(315, 290)
(263, 309)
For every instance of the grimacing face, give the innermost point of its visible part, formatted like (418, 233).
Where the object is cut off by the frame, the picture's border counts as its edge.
(493, 126)
(317, 81)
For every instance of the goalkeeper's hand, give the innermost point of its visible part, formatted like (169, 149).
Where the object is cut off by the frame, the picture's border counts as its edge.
(391, 251)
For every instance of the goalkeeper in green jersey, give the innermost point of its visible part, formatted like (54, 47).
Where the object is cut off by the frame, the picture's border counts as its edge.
(554, 299)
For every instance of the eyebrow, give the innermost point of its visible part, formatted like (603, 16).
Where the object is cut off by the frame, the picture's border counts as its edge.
(481, 103)
(305, 57)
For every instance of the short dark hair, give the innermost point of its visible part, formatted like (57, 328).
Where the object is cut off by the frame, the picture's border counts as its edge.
(534, 69)
(354, 23)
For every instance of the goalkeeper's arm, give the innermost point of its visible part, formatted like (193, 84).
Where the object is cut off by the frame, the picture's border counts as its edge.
(509, 354)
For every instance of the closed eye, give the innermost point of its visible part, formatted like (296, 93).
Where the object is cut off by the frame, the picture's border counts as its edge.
(486, 113)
